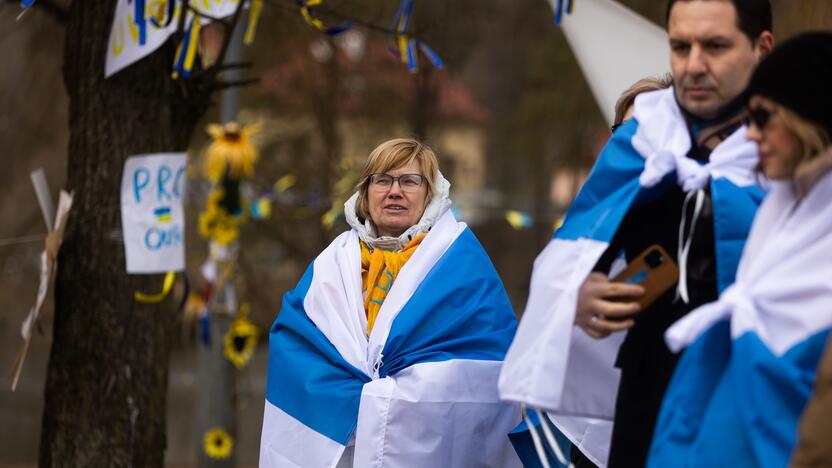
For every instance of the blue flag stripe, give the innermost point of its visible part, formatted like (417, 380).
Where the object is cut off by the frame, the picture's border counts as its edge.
(459, 311)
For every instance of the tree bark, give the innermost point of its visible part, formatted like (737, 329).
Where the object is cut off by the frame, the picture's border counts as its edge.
(108, 369)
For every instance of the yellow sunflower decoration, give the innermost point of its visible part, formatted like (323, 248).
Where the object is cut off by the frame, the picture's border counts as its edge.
(229, 158)
(240, 341)
(218, 444)
(232, 153)
(216, 223)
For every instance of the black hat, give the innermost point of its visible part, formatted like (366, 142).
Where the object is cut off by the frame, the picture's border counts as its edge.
(798, 76)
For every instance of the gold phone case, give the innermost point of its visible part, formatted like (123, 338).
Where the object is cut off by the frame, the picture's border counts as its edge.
(653, 269)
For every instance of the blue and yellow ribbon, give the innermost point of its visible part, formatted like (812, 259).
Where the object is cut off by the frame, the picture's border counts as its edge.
(564, 6)
(519, 219)
(24, 7)
(253, 19)
(261, 208)
(307, 10)
(406, 45)
(159, 297)
(186, 53)
(285, 182)
(329, 218)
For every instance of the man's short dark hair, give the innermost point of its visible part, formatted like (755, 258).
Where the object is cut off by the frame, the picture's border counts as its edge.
(753, 16)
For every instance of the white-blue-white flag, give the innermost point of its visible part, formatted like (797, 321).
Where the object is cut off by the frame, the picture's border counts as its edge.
(748, 371)
(552, 364)
(421, 390)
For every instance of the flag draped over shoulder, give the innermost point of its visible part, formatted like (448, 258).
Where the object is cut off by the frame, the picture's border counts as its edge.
(739, 389)
(552, 364)
(420, 390)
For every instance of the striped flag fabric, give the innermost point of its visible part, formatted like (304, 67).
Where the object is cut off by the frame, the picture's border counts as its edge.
(752, 356)
(553, 365)
(421, 390)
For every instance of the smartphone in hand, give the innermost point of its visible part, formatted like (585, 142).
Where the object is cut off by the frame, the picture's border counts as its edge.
(654, 270)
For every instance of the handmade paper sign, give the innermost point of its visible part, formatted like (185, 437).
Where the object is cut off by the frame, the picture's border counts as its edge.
(152, 217)
(140, 27)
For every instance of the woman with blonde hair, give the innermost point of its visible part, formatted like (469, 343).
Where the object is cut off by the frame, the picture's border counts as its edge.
(387, 352)
(752, 356)
(626, 102)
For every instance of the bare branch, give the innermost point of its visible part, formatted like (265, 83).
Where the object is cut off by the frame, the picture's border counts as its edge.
(208, 77)
(229, 36)
(334, 13)
(229, 66)
(220, 84)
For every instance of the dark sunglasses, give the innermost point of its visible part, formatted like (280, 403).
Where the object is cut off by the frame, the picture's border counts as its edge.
(759, 116)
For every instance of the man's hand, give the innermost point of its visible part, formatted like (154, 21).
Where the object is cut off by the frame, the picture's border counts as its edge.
(595, 307)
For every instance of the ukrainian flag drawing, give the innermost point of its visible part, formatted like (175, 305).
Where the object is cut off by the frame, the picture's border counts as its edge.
(163, 214)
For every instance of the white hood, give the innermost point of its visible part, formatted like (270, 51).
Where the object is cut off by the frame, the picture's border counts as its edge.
(440, 203)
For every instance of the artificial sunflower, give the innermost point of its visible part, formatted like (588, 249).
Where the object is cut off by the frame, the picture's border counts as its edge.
(218, 444)
(240, 342)
(232, 153)
(219, 227)
(216, 223)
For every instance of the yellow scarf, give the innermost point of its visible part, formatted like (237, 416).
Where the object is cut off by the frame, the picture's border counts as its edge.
(379, 269)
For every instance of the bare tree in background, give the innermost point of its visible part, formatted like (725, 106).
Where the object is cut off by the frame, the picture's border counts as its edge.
(108, 369)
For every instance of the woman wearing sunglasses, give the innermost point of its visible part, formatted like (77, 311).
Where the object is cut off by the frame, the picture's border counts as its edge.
(752, 356)
(387, 352)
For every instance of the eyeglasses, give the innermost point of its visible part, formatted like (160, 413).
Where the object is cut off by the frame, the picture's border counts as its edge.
(759, 116)
(381, 182)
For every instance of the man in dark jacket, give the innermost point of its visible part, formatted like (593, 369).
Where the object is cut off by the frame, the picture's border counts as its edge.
(715, 46)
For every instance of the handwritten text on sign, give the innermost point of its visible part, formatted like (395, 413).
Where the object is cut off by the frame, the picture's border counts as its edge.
(152, 188)
(130, 40)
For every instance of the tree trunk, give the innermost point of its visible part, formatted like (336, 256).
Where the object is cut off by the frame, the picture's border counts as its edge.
(108, 368)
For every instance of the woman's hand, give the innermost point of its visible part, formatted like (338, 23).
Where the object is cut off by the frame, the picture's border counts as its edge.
(598, 314)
